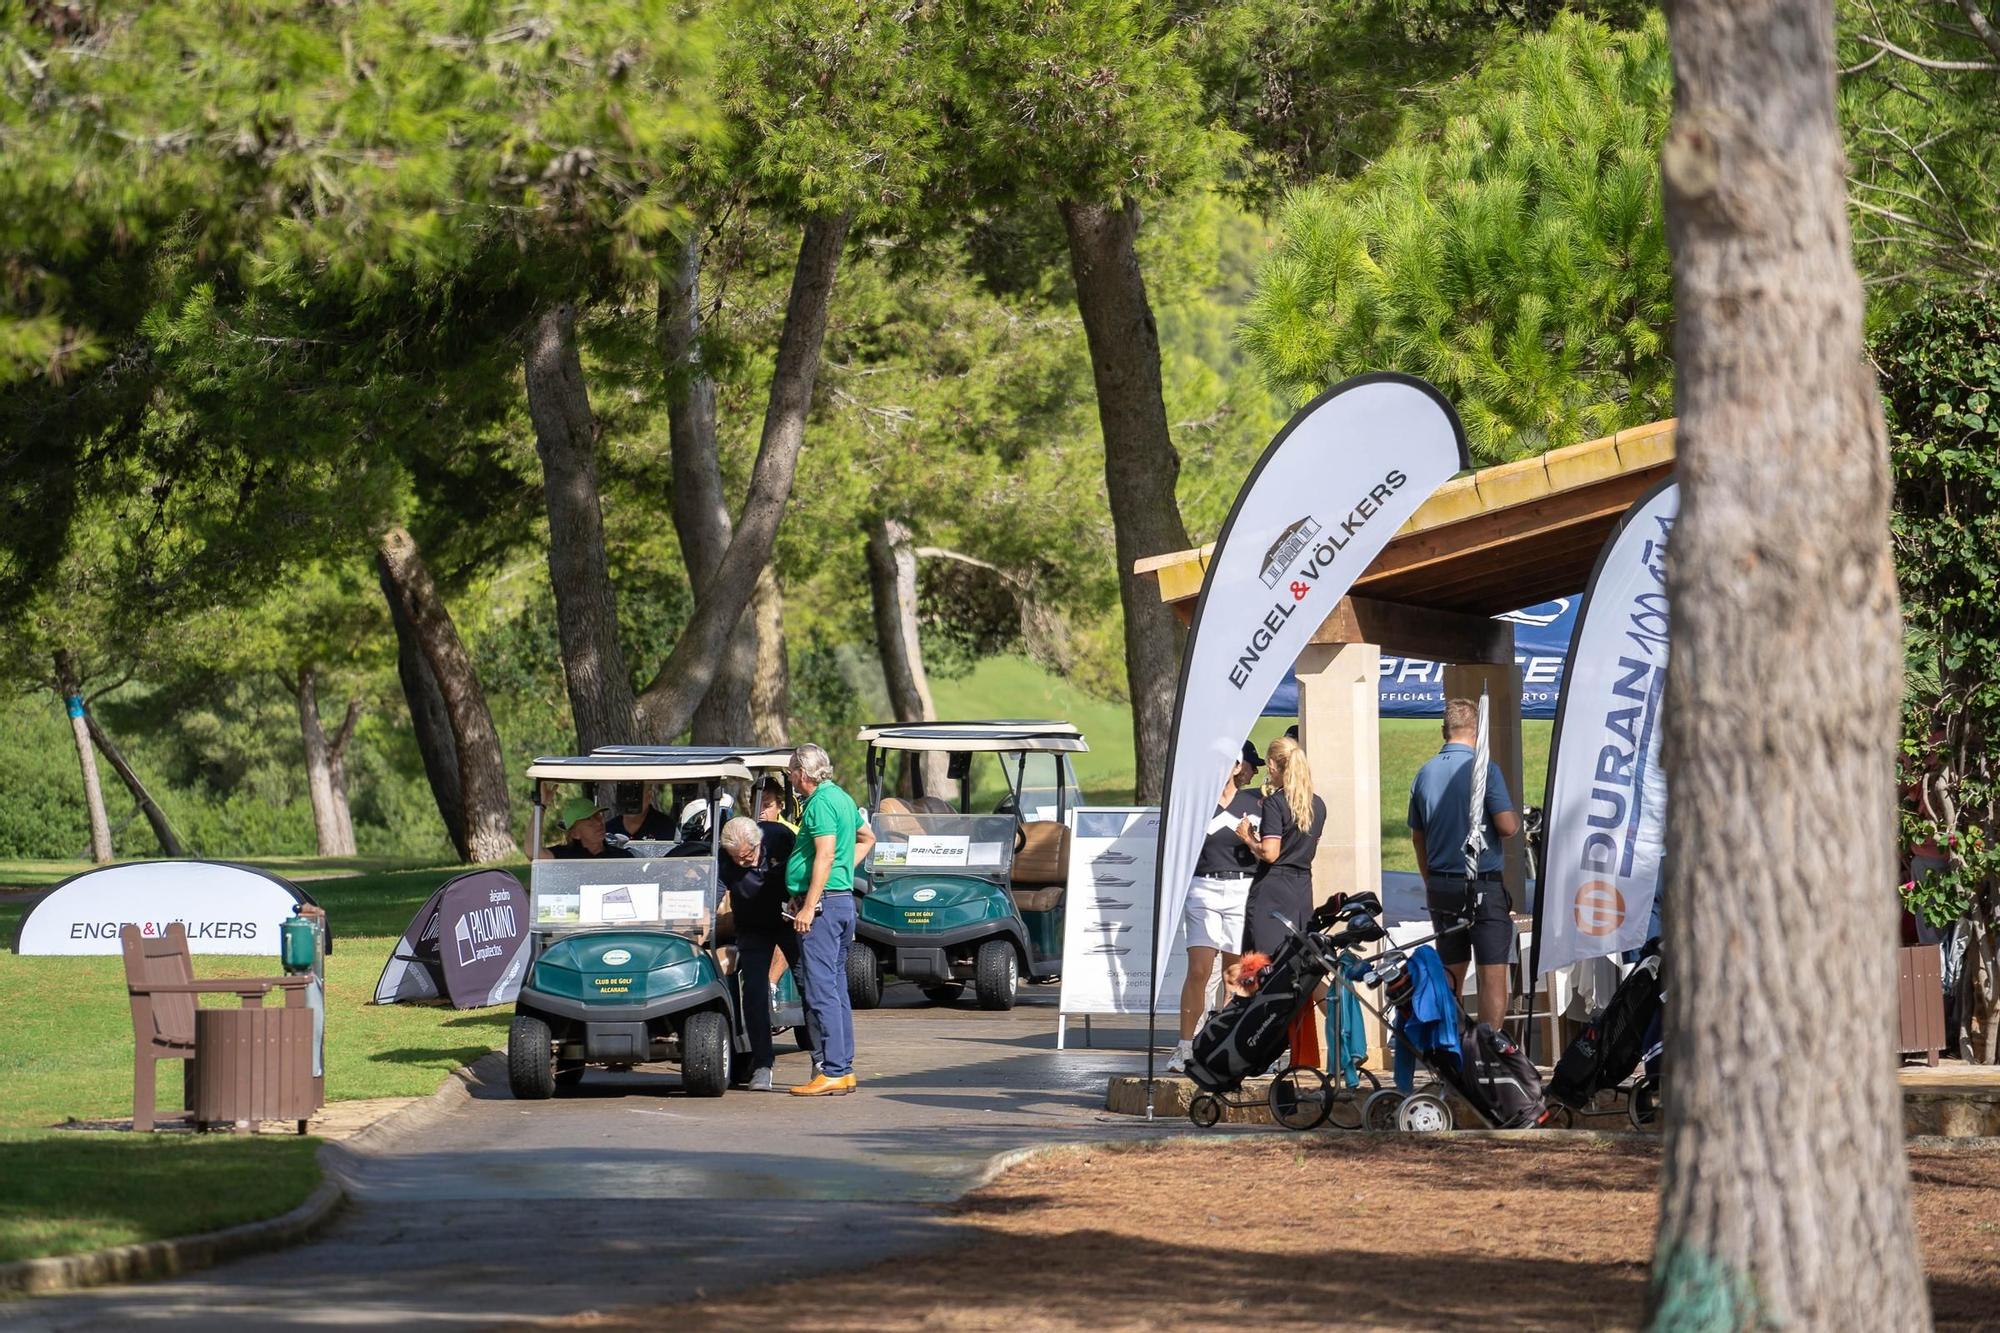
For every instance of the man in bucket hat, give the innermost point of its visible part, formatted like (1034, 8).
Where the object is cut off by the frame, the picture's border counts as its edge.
(584, 820)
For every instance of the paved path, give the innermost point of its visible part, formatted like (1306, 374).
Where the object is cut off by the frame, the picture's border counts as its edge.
(626, 1192)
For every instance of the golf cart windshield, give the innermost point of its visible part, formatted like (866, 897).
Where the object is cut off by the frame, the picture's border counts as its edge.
(916, 842)
(671, 893)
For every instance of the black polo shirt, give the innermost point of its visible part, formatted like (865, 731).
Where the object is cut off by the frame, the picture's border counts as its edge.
(757, 893)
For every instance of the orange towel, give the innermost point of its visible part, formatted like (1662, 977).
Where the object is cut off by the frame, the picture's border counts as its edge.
(1305, 1037)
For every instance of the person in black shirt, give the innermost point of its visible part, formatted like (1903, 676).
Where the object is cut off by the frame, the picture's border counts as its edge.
(638, 819)
(1284, 841)
(584, 818)
(754, 855)
(1212, 920)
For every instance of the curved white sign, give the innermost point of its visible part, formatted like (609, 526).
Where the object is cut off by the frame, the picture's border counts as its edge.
(225, 909)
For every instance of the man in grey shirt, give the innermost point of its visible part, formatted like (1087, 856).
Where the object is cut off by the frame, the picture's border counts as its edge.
(1440, 804)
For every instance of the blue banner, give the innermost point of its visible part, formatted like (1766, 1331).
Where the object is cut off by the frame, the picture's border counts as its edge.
(1412, 687)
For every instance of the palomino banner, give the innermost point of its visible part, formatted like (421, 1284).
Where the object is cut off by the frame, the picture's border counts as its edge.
(1326, 497)
(1607, 794)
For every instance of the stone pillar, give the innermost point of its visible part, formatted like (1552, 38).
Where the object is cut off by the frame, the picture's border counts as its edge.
(1339, 724)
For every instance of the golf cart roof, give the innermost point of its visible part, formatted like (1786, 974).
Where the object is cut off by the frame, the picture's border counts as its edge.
(648, 767)
(1039, 726)
(986, 737)
(755, 757)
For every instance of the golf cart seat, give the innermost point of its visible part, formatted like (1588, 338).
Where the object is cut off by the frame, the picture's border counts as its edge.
(893, 815)
(1036, 900)
(932, 805)
(1043, 856)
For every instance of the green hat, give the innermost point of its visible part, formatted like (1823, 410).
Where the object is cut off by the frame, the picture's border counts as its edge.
(577, 809)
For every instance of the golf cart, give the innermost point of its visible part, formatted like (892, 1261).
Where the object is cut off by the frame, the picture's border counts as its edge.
(956, 896)
(627, 966)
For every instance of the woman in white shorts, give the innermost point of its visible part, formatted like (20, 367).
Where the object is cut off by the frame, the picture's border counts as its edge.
(1213, 917)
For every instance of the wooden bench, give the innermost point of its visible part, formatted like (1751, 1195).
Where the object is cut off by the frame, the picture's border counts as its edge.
(159, 977)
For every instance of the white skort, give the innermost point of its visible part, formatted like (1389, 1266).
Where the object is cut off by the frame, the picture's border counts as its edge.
(1214, 913)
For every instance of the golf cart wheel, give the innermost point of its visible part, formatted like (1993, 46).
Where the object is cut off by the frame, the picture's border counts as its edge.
(944, 994)
(531, 1059)
(1423, 1113)
(1300, 1098)
(864, 978)
(705, 1054)
(569, 1073)
(1642, 1107)
(1205, 1110)
(1378, 1113)
(997, 975)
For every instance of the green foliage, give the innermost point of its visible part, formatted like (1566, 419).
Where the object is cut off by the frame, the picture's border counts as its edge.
(1513, 254)
(1940, 369)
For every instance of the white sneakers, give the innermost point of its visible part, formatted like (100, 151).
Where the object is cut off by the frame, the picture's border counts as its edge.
(1183, 1052)
(760, 1081)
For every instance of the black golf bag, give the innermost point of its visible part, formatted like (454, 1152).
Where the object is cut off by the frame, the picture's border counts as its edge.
(1244, 1036)
(1609, 1048)
(1506, 1080)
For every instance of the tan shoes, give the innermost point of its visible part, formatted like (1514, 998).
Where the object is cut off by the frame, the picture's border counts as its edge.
(822, 1086)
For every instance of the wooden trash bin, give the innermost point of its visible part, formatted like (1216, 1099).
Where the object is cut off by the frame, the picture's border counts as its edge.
(252, 1065)
(1920, 1001)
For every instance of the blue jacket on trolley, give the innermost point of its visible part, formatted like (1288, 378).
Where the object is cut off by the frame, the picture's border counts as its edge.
(1428, 1019)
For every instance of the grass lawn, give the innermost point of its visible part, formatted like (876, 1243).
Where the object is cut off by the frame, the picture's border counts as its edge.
(66, 1053)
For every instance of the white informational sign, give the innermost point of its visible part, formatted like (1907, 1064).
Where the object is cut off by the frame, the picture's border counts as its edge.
(1607, 798)
(225, 909)
(928, 850)
(1108, 913)
(616, 904)
(1326, 497)
(683, 904)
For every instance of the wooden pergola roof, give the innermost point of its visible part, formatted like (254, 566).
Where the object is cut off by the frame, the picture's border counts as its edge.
(1487, 542)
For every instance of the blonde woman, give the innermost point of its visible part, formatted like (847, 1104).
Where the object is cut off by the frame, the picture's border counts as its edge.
(1283, 844)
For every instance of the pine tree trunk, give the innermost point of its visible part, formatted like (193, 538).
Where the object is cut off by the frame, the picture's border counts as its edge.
(70, 691)
(771, 686)
(600, 688)
(667, 706)
(429, 722)
(1784, 1196)
(156, 818)
(319, 767)
(1140, 464)
(482, 777)
(892, 591)
(700, 510)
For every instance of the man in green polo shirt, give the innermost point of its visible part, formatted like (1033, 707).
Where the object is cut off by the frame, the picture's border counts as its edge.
(832, 841)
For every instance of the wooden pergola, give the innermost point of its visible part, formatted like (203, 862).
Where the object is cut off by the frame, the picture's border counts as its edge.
(1487, 542)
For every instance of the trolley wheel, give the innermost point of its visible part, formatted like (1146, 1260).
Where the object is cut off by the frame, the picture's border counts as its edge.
(1344, 1108)
(1642, 1107)
(1558, 1116)
(1300, 1097)
(1378, 1112)
(1205, 1110)
(1423, 1113)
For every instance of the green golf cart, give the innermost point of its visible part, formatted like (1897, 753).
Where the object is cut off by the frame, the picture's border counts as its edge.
(955, 895)
(627, 967)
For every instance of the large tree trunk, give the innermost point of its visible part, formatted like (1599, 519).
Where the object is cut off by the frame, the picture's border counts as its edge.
(429, 721)
(667, 706)
(70, 690)
(771, 687)
(326, 770)
(600, 688)
(700, 511)
(481, 774)
(163, 829)
(892, 591)
(1784, 1196)
(1140, 465)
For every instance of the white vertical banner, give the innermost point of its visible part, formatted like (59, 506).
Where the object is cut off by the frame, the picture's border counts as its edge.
(1606, 808)
(1108, 912)
(1326, 497)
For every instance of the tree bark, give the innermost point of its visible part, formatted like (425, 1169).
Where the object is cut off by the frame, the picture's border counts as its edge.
(1784, 1194)
(163, 829)
(892, 591)
(333, 832)
(600, 688)
(771, 687)
(700, 510)
(667, 706)
(1140, 464)
(70, 690)
(429, 721)
(476, 746)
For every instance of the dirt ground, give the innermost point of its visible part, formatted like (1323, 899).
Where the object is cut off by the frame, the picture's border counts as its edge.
(1323, 1232)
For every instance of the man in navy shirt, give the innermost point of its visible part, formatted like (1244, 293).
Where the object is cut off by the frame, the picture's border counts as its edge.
(1440, 806)
(753, 870)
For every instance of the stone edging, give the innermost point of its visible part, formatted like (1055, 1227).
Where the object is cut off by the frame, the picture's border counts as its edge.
(184, 1254)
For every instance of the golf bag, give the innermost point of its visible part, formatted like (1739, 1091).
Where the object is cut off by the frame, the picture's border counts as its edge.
(1244, 1036)
(1506, 1080)
(1609, 1048)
